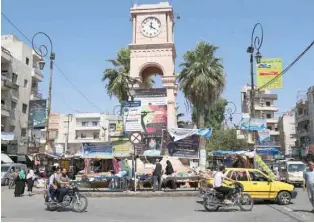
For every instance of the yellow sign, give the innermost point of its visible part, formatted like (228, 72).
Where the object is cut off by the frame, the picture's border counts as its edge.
(267, 70)
(119, 126)
(121, 146)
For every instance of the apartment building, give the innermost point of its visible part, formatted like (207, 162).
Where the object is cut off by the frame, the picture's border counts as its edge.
(304, 120)
(287, 131)
(19, 84)
(265, 107)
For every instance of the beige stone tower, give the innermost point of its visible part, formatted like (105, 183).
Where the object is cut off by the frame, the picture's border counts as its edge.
(153, 50)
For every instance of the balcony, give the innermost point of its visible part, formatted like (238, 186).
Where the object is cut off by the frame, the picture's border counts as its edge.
(303, 133)
(6, 56)
(274, 133)
(272, 120)
(266, 108)
(35, 95)
(37, 74)
(87, 127)
(5, 110)
(6, 83)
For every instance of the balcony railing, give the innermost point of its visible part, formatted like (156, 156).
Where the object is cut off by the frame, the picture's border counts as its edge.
(37, 94)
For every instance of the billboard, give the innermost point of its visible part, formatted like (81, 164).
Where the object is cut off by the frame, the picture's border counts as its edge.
(184, 148)
(97, 150)
(268, 69)
(121, 146)
(253, 124)
(147, 113)
(37, 114)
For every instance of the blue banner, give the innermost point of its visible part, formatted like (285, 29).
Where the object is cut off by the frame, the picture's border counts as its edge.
(97, 150)
(253, 124)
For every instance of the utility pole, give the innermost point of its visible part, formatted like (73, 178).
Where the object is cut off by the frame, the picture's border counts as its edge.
(67, 134)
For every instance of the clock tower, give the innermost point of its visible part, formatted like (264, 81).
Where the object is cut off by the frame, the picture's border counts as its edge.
(153, 50)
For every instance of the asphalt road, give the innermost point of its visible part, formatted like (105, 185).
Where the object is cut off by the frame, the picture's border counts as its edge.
(32, 209)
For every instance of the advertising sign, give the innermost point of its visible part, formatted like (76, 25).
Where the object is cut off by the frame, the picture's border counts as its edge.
(253, 124)
(267, 70)
(121, 146)
(7, 136)
(97, 150)
(37, 114)
(264, 136)
(184, 148)
(148, 112)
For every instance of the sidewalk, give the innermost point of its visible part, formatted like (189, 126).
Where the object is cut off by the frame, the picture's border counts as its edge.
(104, 192)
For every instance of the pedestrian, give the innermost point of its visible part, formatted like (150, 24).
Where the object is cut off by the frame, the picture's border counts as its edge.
(157, 173)
(169, 172)
(30, 179)
(20, 184)
(309, 183)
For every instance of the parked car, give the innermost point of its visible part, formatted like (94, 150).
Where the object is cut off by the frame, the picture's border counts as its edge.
(259, 185)
(7, 169)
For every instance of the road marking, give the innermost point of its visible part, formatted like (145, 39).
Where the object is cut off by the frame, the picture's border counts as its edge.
(288, 209)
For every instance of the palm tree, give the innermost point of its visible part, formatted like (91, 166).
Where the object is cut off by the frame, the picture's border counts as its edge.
(118, 78)
(202, 79)
(180, 123)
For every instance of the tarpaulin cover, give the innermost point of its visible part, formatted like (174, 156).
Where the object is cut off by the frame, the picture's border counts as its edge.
(179, 133)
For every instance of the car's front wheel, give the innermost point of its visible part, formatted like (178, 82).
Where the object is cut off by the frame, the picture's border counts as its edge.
(284, 198)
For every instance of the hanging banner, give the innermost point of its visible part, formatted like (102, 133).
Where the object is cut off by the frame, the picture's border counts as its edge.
(178, 133)
(264, 136)
(268, 69)
(147, 113)
(37, 114)
(253, 124)
(97, 150)
(121, 146)
(185, 148)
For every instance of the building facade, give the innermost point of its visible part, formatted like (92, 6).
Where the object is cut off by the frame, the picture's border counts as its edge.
(304, 120)
(264, 105)
(19, 84)
(287, 132)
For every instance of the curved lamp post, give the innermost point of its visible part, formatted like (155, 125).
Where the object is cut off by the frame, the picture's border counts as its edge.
(256, 43)
(230, 110)
(42, 51)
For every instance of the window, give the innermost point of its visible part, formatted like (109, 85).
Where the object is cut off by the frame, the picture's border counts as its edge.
(257, 176)
(268, 103)
(2, 102)
(239, 176)
(96, 135)
(27, 60)
(296, 167)
(14, 78)
(268, 116)
(12, 128)
(83, 136)
(95, 123)
(23, 132)
(112, 127)
(24, 108)
(13, 105)
(84, 123)
(25, 83)
(269, 127)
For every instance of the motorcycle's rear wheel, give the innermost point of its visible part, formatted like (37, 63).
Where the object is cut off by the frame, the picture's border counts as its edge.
(80, 205)
(210, 203)
(245, 202)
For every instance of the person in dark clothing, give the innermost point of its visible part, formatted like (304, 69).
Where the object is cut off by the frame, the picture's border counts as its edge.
(169, 172)
(20, 184)
(63, 186)
(157, 173)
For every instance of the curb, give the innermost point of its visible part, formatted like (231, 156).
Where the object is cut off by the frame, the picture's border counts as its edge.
(136, 194)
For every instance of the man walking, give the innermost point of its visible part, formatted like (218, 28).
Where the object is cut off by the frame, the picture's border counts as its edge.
(157, 173)
(309, 183)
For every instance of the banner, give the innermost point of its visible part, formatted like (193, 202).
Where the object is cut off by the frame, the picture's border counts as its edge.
(121, 146)
(7, 136)
(263, 136)
(147, 113)
(253, 124)
(184, 148)
(267, 70)
(97, 150)
(178, 133)
(37, 114)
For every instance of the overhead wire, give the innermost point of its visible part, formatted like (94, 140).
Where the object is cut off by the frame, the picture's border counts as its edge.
(56, 66)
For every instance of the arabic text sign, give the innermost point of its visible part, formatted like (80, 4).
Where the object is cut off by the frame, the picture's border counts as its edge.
(264, 136)
(37, 114)
(267, 70)
(253, 124)
(97, 150)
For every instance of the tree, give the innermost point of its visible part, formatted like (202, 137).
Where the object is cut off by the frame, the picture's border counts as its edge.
(224, 139)
(118, 77)
(202, 79)
(214, 115)
(180, 123)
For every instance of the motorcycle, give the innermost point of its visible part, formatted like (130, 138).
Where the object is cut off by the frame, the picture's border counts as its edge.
(73, 199)
(213, 200)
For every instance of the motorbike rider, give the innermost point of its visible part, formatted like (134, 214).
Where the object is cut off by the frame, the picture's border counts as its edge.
(54, 180)
(63, 186)
(218, 180)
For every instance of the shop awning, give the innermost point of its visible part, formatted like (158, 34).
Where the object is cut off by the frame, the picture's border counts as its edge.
(5, 158)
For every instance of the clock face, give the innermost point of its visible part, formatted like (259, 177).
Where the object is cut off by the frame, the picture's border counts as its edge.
(151, 27)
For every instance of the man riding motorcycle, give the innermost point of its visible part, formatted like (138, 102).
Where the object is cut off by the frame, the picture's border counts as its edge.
(63, 185)
(218, 180)
(54, 180)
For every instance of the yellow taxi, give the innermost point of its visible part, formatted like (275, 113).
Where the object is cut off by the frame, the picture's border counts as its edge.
(259, 185)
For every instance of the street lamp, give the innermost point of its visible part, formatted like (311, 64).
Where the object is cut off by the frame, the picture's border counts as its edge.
(230, 110)
(42, 51)
(256, 43)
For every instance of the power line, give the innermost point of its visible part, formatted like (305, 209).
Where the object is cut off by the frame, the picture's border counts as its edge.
(57, 67)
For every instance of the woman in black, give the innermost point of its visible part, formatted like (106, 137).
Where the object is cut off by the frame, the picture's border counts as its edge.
(169, 172)
(19, 184)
